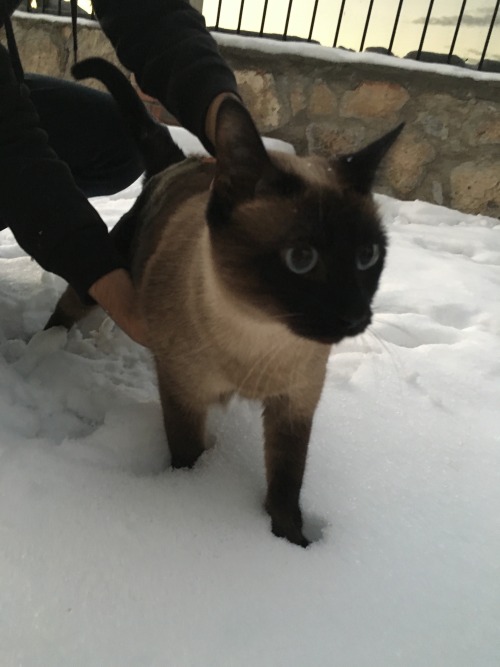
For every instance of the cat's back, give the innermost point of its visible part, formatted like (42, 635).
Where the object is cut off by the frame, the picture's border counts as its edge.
(171, 210)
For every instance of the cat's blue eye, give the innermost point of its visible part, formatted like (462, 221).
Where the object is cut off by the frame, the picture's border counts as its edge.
(301, 259)
(367, 256)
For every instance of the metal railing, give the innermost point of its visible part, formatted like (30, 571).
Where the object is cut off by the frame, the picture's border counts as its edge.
(489, 20)
(52, 7)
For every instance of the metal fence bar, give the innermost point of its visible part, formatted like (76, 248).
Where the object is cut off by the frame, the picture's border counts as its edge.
(487, 43)
(313, 20)
(287, 22)
(362, 46)
(455, 35)
(217, 20)
(61, 8)
(396, 23)
(339, 22)
(424, 31)
(52, 8)
(240, 18)
(264, 14)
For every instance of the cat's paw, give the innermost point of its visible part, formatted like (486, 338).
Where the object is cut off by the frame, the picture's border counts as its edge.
(287, 524)
(180, 461)
(291, 533)
(184, 452)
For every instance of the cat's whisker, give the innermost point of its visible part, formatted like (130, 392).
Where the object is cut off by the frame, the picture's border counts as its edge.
(404, 330)
(384, 345)
(283, 318)
(264, 374)
(265, 360)
(394, 358)
(194, 351)
(370, 331)
(364, 341)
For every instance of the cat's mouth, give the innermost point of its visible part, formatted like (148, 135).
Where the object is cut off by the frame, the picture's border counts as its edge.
(331, 333)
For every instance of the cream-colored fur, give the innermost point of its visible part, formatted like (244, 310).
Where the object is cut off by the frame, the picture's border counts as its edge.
(210, 341)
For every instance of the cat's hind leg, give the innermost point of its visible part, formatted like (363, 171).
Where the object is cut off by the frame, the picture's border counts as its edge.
(69, 310)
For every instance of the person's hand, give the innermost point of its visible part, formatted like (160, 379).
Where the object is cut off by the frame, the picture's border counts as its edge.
(116, 294)
(211, 117)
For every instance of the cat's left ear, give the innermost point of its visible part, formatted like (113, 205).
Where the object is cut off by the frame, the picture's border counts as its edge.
(360, 168)
(242, 162)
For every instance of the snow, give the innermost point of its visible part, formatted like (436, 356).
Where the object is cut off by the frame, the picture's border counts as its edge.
(277, 47)
(107, 560)
(193, 146)
(54, 18)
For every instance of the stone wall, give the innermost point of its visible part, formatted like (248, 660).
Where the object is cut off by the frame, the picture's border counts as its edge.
(449, 152)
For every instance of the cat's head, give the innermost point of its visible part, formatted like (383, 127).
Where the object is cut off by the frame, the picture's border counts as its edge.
(298, 239)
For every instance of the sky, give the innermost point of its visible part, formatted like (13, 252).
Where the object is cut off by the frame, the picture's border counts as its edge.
(109, 559)
(439, 36)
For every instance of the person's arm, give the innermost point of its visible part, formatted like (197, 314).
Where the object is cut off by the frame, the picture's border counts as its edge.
(173, 57)
(49, 216)
(9, 7)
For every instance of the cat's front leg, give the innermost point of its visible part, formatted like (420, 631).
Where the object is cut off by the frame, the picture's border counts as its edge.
(184, 425)
(286, 434)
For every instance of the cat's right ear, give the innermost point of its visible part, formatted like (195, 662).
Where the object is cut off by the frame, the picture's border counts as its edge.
(242, 163)
(360, 168)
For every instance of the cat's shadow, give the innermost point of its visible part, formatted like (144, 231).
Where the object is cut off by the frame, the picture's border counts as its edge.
(314, 527)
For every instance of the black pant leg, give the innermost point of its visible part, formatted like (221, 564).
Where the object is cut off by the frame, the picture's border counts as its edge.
(87, 132)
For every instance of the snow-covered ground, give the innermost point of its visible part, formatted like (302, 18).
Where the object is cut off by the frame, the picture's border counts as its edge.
(106, 561)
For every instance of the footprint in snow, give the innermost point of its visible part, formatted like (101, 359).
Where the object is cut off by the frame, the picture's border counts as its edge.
(42, 345)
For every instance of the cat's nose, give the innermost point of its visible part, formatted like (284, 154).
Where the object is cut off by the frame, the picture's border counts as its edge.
(356, 323)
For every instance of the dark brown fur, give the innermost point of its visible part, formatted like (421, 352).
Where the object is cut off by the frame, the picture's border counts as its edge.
(227, 315)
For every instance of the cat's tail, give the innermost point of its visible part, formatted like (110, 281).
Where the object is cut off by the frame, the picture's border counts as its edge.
(155, 143)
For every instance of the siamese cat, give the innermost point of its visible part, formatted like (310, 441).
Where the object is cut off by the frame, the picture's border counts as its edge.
(248, 269)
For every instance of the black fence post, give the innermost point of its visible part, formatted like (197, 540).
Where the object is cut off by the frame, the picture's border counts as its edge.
(362, 45)
(339, 22)
(217, 20)
(455, 35)
(487, 43)
(240, 18)
(313, 20)
(287, 22)
(396, 23)
(264, 13)
(424, 31)
(61, 8)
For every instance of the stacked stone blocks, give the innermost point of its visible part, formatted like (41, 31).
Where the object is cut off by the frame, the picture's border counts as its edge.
(449, 152)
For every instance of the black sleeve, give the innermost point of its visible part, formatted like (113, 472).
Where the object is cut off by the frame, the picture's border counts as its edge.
(7, 7)
(49, 216)
(174, 58)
